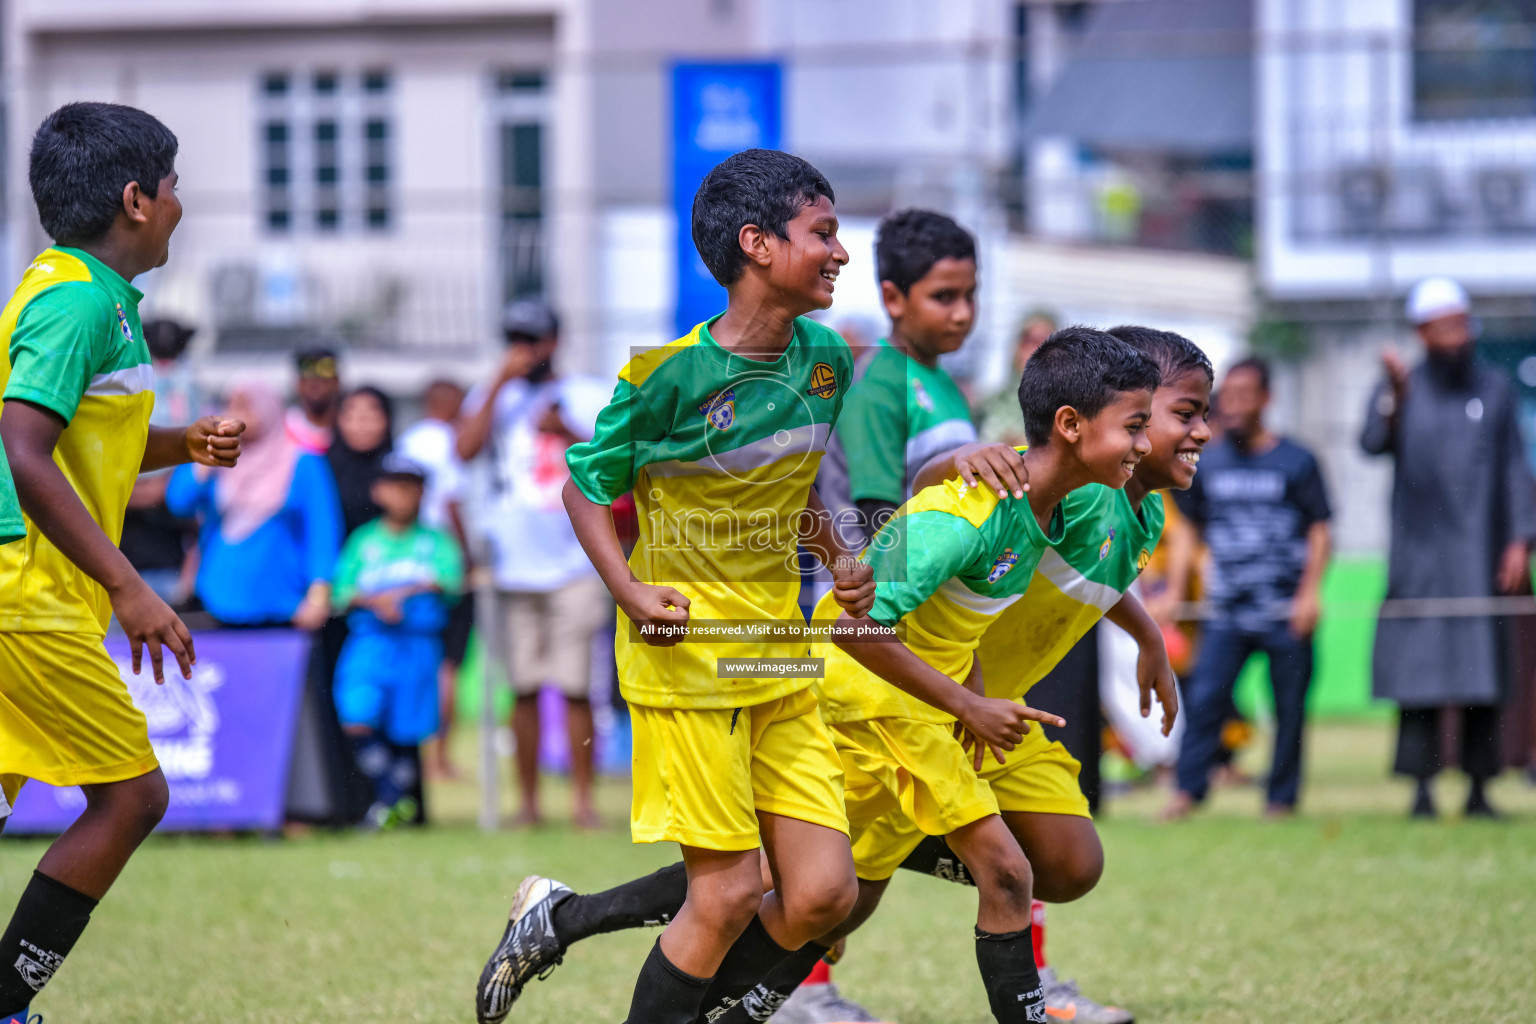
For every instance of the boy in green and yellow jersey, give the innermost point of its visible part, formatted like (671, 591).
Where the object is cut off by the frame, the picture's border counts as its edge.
(947, 565)
(75, 428)
(719, 435)
(1110, 537)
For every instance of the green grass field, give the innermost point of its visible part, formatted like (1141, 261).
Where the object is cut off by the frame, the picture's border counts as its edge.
(1348, 913)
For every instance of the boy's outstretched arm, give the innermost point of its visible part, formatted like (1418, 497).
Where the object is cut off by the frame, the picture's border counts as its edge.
(1153, 672)
(999, 466)
(210, 441)
(30, 433)
(1000, 724)
(644, 603)
(853, 581)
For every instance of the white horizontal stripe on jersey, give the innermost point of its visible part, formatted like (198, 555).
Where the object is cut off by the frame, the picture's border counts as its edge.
(1074, 584)
(783, 444)
(958, 593)
(131, 380)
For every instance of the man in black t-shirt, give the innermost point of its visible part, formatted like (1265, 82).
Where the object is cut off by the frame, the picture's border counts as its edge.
(1260, 503)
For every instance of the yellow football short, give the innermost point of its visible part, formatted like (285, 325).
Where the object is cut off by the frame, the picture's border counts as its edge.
(1039, 777)
(914, 774)
(65, 715)
(701, 776)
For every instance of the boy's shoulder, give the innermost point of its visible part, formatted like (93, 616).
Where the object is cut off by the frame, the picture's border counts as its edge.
(976, 505)
(64, 282)
(645, 365)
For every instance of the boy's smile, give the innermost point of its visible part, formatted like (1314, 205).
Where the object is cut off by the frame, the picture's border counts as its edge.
(1115, 441)
(1178, 432)
(815, 256)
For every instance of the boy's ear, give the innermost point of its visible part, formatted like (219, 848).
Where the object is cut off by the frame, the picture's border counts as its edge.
(895, 302)
(132, 198)
(754, 242)
(1068, 424)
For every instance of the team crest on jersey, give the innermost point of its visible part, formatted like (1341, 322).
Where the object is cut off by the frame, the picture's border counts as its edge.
(1005, 561)
(720, 408)
(921, 396)
(1143, 560)
(1109, 542)
(122, 323)
(823, 381)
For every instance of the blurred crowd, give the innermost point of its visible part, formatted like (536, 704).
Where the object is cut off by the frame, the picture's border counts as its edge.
(391, 543)
(342, 522)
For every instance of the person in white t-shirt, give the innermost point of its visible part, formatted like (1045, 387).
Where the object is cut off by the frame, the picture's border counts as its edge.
(550, 602)
(431, 444)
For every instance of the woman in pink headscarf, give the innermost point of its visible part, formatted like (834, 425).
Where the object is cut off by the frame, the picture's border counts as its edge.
(270, 527)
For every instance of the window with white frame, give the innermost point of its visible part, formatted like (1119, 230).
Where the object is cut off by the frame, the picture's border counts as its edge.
(326, 139)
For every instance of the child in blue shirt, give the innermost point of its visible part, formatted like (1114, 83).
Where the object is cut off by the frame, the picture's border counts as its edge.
(396, 580)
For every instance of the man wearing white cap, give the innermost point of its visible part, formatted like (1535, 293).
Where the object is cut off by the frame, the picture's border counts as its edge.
(1463, 518)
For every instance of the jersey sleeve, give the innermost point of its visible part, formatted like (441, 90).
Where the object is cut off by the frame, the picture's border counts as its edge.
(344, 587)
(56, 349)
(871, 431)
(915, 555)
(447, 564)
(12, 526)
(606, 466)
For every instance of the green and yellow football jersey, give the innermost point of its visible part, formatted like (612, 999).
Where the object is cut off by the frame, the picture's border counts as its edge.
(74, 345)
(720, 451)
(899, 415)
(950, 561)
(1107, 545)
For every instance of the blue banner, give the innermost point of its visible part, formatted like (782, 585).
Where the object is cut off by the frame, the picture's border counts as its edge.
(717, 110)
(224, 738)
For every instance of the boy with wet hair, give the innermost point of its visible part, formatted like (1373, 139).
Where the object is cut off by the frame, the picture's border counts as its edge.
(75, 427)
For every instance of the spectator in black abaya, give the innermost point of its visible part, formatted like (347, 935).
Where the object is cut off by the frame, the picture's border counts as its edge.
(364, 435)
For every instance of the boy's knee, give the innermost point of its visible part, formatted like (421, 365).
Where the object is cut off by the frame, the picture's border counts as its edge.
(1008, 873)
(824, 906)
(1070, 877)
(140, 803)
(731, 903)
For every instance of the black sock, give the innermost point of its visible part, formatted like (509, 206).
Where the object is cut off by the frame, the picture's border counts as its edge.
(747, 962)
(1008, 971)
(664, 994)
(47, 922)
(377, 762)
(765, 998)
(654, 899)
(934, 857)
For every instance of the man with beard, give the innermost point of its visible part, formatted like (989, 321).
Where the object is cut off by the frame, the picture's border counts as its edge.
(1463, 517)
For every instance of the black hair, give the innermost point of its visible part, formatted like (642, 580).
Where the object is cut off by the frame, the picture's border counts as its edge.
(167, 339)
(1174, 354)
(1083, 368)
(910, 242)
(84, 155)
(756, 186)
(1258, 365)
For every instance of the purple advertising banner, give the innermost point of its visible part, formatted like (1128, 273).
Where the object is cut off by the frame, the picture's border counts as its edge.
(224, 738)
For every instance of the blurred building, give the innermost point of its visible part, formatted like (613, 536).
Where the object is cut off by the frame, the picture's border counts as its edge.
(384, 174)
(1397, 139)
